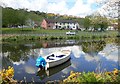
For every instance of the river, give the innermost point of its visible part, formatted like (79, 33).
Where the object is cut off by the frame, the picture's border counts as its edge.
(86, 55)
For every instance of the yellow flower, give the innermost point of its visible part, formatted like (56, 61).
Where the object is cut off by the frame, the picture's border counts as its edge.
(0, 72)
(108, 73)
(3, 70)
(9, 67)
(115, 72)
(71, 72)
(3, 76)
(98, 76)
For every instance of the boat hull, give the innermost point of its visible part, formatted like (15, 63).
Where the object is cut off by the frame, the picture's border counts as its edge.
(55, 63)
(58, 61)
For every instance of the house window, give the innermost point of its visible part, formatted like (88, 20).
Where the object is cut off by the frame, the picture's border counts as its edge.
(68, 26)
(59, 26)
(56, 26)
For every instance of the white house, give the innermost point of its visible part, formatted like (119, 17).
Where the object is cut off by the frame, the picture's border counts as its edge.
(59, 24)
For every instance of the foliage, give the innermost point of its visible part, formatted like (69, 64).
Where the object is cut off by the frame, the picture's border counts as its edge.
(99, 22)
(12, 17)
(7, 75)
(92, 77)
(87, 23)
(18, 17)
(93, 46)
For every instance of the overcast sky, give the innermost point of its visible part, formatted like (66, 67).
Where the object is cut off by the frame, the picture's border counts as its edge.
(70, 7)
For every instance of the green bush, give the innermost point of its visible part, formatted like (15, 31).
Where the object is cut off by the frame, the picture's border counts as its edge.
(89, 77)
(92, 77)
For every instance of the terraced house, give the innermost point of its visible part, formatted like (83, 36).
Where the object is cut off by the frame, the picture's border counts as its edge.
(59, 24)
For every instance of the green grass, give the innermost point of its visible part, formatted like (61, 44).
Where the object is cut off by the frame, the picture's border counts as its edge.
(38, 33)
(48, 31)
(29, 31)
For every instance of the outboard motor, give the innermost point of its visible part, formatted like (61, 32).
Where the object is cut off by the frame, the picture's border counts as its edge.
(40, 61)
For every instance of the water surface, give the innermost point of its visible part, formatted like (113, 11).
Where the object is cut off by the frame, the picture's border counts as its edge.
(87, 55)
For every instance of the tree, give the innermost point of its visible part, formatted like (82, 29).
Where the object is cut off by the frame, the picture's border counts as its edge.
(8, 17)
(99, 22)
(22, 16)
(13, 18)
(103, 26)
(87, 23)
(109, 9)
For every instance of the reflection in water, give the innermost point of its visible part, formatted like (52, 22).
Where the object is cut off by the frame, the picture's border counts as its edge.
(6, 62)
(51, 71)
(110, 52)
(86, 55)
(77, 51)
(61, 43)
(16, 52)
(93, 46)
(29, 69)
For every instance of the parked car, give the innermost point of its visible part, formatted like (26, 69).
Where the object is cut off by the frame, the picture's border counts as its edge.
(70, 33)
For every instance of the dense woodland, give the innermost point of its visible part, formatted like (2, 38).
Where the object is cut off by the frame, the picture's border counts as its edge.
(22, 17)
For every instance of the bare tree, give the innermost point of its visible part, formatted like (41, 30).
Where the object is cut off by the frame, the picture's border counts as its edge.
(110, 8)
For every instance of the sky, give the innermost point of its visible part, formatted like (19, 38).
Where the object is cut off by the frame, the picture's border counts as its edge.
(79, 8)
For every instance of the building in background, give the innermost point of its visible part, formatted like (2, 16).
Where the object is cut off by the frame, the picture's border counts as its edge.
(59, 24)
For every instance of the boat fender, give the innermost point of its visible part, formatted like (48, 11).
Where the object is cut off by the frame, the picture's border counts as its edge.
(40, 61)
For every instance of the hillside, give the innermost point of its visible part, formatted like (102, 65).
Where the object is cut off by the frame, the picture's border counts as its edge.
(19, 17)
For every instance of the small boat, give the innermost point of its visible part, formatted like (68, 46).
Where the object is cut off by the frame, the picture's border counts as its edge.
(54, 59)
(57, 58)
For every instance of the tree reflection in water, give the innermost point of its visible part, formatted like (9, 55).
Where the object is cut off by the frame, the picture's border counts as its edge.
(16, 52)
(93, 46)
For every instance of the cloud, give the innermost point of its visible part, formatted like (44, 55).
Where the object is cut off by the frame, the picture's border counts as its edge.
(39, 5)
(18, 63)
(79, 8)
(90, 58)
(77, 51)
(30, 69)
(70, 7)
(57, 7)
(31, 5)
(110, 52)
(109, 9)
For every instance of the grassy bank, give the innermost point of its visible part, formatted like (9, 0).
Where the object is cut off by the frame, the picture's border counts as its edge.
(30, 31)
(16, 34)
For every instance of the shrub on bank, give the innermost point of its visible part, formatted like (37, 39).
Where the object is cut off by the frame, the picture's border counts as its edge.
(105, 77)
(75, 77)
